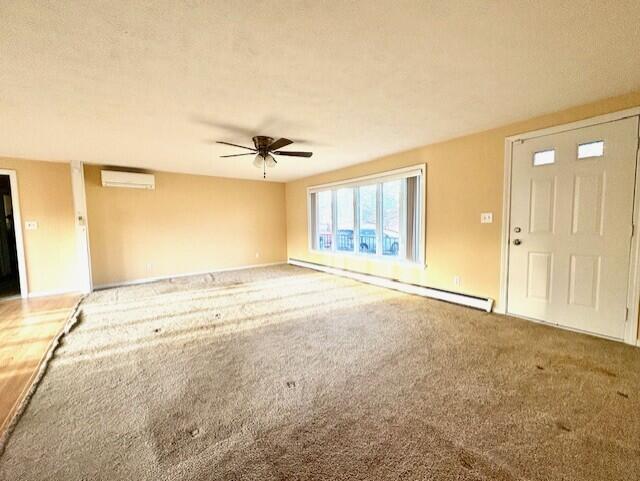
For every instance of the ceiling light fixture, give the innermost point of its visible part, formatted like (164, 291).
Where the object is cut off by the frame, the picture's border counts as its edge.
(264, 161)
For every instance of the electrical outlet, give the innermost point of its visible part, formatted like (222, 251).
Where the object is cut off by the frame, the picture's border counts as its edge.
(257, 255)
(31, 225)
(456, 281)
(486, 218)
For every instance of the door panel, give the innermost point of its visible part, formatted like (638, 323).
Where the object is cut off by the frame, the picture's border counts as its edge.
(570, 227)
(588, 197)
(542, 205)
(539, 276)
(584, 280)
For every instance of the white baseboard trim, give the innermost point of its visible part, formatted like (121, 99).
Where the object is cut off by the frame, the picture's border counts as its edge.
(146, 280)
(57, 292)
(481, 303)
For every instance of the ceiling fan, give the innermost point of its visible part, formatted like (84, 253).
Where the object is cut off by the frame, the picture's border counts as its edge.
(264, 147)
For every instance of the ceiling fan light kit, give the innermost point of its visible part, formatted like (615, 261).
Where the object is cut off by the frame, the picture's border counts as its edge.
(267, 161)
(264, 147)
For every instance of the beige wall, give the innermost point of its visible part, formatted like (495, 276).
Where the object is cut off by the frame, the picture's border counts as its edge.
(45, 196)
(464, 178)
(189, 223)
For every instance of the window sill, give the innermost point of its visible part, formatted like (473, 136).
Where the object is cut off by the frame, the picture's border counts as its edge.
(371, 257)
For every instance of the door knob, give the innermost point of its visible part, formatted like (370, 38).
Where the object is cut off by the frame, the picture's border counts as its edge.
(517, 242)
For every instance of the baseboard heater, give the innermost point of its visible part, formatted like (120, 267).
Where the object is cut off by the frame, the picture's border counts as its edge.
(482, 303)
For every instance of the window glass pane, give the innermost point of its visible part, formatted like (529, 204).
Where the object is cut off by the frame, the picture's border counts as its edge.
(545, 157)
(391, 218)
(325, 220)
(592, 149)
(345, 220)
(367, 213)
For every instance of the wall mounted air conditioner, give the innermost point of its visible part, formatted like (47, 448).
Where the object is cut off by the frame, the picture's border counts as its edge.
(132, 180)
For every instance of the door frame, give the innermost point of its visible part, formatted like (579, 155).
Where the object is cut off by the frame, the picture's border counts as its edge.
(633, 293)
(17, 226)
(83, 249)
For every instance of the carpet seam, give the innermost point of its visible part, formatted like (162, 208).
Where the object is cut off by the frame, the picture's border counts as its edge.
(71, 321)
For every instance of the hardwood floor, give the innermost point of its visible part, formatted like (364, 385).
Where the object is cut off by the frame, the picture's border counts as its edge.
(27, 328)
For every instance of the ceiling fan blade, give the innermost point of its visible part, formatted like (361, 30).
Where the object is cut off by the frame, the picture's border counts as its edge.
(294, 154)
(278, 144)
(236, 145)
(237, 155)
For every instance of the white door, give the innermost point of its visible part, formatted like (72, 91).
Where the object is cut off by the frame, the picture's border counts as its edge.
(571, 226)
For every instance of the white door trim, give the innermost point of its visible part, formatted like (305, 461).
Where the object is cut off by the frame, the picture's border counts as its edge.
(82, 227)
(631, 328)
(631, 334)
(17, 225)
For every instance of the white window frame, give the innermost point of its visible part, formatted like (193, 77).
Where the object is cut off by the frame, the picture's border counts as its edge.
(333, 221)
(397, 174)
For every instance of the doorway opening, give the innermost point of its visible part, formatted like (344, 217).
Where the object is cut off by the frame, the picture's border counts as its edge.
(9, 270)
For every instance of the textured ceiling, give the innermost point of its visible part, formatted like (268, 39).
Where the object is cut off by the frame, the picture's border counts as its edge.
(152, 83)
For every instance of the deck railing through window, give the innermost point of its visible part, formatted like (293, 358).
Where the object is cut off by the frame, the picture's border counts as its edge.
(366, 245)
(325, 241)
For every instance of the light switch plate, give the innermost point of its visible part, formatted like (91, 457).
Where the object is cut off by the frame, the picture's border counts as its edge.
(486, 218)
(31, 225)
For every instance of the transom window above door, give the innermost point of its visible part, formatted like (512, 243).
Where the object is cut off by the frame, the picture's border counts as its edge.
(378, 216)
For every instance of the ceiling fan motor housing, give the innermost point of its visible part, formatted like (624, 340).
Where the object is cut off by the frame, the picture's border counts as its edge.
(262, 144)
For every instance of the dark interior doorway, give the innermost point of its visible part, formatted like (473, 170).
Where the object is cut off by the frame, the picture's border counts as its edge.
(9, 274)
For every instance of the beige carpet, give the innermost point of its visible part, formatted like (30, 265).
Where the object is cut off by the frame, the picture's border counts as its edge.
(285, 374)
